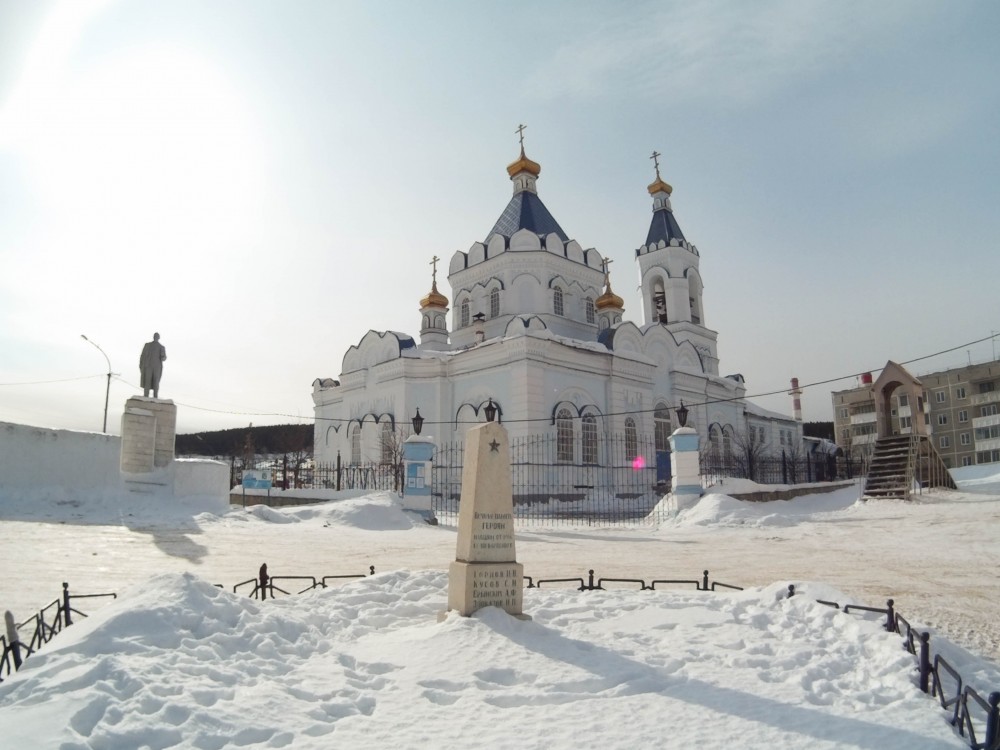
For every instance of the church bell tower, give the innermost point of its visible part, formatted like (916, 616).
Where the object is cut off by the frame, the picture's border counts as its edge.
(670, 281)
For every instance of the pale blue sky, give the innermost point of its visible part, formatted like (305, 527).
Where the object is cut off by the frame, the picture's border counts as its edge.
(264, 182)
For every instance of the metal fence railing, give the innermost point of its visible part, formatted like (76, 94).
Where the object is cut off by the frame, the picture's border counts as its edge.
(782, 468)
(329, 476)
(622, 482)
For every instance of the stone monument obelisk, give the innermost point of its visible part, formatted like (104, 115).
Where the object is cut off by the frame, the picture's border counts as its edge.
(485, 572)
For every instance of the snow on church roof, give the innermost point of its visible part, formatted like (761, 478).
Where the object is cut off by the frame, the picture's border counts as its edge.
(526, 211)
(758, 411)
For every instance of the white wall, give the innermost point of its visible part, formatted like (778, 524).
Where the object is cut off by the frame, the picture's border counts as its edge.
(36, 457)
(39, 466)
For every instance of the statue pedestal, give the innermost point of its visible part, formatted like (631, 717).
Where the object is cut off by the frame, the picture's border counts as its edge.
(149, 427)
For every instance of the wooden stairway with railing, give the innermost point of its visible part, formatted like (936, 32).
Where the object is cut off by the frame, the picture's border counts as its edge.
(902, 462)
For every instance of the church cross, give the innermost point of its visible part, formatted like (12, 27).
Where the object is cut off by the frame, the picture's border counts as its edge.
(434, 263)
(520, 132)
(605, 262)
(656, 162)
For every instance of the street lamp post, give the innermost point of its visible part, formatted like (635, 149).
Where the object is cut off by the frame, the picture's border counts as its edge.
(107, 391)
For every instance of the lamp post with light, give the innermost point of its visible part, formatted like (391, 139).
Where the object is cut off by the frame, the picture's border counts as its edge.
(682, 415)
(107, 391)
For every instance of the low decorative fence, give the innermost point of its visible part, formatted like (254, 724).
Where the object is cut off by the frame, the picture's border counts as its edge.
(971, 714)
(44, 626)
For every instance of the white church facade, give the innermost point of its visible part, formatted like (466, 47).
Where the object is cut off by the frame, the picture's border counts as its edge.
(536, 328)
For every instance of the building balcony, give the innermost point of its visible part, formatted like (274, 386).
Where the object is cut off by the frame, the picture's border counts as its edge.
(985, 421)
(990, 397)
(991, 444)
(864, 439)
(863, 418)
(904, 411)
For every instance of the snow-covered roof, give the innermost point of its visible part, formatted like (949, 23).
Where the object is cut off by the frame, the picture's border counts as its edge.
(761, 413)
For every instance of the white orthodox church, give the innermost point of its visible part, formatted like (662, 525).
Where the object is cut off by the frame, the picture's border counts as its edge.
(536, 329)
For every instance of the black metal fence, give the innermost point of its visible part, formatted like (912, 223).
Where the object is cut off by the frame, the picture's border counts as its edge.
(608, 479)
(781, 469)
(44, 625)
(622, 481)
(329, 476)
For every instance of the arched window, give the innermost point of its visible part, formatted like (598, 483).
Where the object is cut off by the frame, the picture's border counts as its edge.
(557, 300)
(564, 436)
(714, 439)
(659, 302)
(356, 444)
(388, 440)
(495, 303)
(590, 439)
(465, 313)
(589, 309)
(631, 439)
(661, 427)
(694, 298)
(427, 321)
(727, 441)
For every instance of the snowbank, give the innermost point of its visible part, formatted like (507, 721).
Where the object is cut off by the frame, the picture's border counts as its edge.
(716, 509)
(379, 511)
(179, 663)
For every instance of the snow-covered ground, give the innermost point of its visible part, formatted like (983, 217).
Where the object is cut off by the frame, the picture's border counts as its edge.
(176, 662)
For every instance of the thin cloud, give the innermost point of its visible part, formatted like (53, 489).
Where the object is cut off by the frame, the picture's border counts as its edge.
(720, 51)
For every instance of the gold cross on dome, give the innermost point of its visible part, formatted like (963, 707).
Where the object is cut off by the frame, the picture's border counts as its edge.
(605, 262)
(656, 162)
(520, 132)
(434, 263)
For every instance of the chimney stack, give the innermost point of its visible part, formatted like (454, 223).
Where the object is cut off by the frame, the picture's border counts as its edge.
(796, 394)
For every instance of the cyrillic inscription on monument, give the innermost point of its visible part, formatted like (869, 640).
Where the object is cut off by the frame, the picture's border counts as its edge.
(496, 587)
(492, 532)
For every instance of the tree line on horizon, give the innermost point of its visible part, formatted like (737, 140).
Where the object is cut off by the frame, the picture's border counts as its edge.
(241, 441)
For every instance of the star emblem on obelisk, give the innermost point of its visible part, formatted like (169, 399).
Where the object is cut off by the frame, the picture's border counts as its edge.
(495, 446)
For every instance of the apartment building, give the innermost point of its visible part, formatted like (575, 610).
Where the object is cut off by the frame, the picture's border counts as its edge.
(960, 409)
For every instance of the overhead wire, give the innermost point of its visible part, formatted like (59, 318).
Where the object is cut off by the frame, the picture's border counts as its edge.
(706, 402)
(528, 420)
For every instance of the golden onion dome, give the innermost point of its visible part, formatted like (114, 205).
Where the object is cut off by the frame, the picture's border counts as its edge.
(434, 298)
(523, 164)
(659, 186)
(609, 300)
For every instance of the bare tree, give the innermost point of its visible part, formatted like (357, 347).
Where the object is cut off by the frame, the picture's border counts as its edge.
(391, 451)
(295, 449)
(793, 456)
(748, 450)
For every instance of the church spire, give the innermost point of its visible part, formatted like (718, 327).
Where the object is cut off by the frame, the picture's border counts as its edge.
(658, 185)
(434, 315)
(663, 227)
(525, 209)
(434, 298)
(523, 171)
(609, 300)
